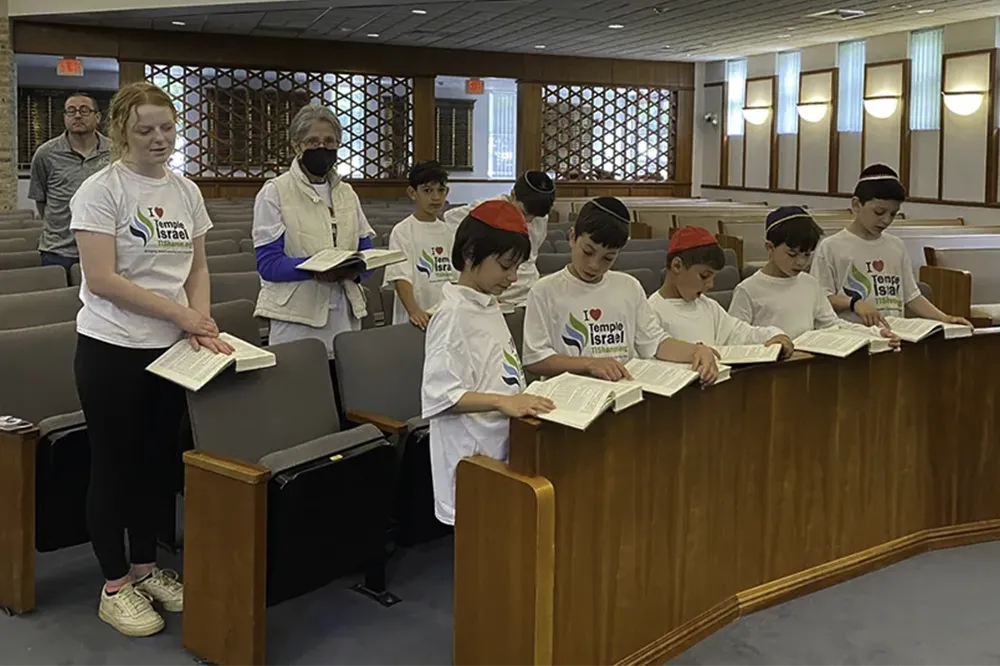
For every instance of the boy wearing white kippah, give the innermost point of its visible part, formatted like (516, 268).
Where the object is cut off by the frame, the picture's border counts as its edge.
(533, 193)
(783, 293)
(866, 272)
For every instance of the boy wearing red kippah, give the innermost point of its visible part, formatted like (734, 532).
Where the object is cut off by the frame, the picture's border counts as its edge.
(472, 379)
(693, 259)
(588, 319)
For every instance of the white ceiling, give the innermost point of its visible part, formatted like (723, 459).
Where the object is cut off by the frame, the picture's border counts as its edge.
(653, 30)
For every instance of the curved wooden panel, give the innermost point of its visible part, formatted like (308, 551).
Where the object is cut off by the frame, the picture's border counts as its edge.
(677, 515)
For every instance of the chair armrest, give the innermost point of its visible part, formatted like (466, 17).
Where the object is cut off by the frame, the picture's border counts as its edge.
(228, 467)
(386, 424)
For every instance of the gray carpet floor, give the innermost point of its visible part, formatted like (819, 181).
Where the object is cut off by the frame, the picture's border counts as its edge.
(939, 608)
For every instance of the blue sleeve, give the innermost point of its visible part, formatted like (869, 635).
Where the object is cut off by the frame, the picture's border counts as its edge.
(275, 266)
(364, 243)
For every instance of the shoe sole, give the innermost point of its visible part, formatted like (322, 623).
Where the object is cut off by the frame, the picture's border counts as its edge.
(134, 632)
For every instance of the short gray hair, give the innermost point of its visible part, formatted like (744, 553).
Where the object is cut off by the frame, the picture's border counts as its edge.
(308, 114)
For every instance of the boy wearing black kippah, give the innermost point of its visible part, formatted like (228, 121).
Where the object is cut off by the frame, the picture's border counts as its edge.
(533, 193)
(783, 293)
(866, 272)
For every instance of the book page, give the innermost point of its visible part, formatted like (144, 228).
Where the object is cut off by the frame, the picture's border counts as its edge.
(912, 329)
(191, 369)
(578, 403)
(248, 356)
(325, 260)
(661, 377)
(736, 354)
(829, 343)
(376, 257)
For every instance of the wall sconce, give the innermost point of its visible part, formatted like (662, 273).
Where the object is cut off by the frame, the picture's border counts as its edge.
(813, 112)
(963, 103)
(882, 107)
(712, 119)
(756, 115)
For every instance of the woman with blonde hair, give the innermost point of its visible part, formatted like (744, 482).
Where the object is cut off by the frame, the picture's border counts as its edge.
(141, 230)
(306, 210)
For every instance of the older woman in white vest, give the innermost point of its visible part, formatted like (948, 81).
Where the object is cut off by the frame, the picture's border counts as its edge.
(301, 212)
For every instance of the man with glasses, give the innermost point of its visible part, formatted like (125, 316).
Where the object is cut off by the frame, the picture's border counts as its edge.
(58, 168)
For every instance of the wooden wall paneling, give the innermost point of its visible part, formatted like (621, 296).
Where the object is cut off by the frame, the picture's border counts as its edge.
(774, 153)
(993, 147)
(717, 132)
(761, 91)
(833, 166)
(885, 79)
(177, 47)
(684, 150)
(529, 126)
(959, 158)
(424, 125)
(724, 143)
(130, 72)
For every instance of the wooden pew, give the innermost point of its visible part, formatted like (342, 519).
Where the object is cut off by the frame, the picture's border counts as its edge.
(969, 279)
(657, 526)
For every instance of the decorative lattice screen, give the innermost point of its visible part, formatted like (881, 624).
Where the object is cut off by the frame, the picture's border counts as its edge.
(234, 122)
(597, 133)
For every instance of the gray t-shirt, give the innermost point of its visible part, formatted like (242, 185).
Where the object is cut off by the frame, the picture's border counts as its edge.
(57, 171)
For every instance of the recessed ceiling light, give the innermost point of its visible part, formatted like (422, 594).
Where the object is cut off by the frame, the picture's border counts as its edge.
(539, 46)
(783, 36)
(373, 35)
(616, 26)
(666, 46)
(418, 11)
(925, 11)
(178, 23)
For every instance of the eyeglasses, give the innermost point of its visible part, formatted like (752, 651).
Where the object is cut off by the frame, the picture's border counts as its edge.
(329, 144)
(73, 110)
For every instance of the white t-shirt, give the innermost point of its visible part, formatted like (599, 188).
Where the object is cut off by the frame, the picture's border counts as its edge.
(154, 222)
(269, 226)
(795, 305)
(527, 272)
(427, 246)
(468, 348)
(570, 317)
(704, 320)
(877, 270)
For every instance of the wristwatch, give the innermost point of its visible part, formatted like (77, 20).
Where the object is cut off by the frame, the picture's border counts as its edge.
(854, 301)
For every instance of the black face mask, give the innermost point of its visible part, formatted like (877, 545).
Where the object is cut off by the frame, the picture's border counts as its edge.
(318, 161)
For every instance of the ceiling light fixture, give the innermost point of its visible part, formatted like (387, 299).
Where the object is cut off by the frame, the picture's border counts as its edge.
(881, 107)
(373, 35)
(785, 36)
(178, 23)
(813, 112)
(963, 103)
(925, 11)
(418, 11)
(616, 26)
(666, 46)
(539, 46)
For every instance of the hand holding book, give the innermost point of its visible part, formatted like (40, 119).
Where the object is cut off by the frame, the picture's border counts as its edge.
(787, 346)
(607, 369)
(524, 404)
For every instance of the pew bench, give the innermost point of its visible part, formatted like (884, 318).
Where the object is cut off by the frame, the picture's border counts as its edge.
(966, 281)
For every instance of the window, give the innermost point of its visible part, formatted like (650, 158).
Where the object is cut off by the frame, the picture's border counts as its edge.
(789, 67)
(40, 118)
(736, 87)
(851, 97)
(503, 134)
(926, 53)
(453, 123)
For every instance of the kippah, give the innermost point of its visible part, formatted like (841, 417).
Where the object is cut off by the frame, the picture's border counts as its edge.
(884, 176)
(686, 238)
(501, 215)
(608, 204)
(539, 181)
(878, 172)
(784, 214)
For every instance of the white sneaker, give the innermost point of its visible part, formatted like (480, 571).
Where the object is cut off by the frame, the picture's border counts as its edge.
(162, 585)
(130, 612)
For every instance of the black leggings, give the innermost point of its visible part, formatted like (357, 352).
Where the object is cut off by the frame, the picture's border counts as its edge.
(133, 421)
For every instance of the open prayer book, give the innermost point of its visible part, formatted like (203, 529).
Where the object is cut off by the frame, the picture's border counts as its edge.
(916, 329)
(840, 342)
(364, 260)
(666, 378)
(192, 369)
(741, 354)
(580, 400)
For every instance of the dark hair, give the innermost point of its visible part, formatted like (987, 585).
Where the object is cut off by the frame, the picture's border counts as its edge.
(536, 192)
(883, 184)
(794, 227)
(428, 171)
(83, 94)
(475, 240)
(705, 255)
(605, 220)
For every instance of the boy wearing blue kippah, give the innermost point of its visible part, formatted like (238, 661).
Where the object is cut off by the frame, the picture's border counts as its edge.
(783, 293)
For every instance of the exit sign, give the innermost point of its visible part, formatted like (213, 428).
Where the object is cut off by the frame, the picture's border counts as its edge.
(474, 86)
(69, 67)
